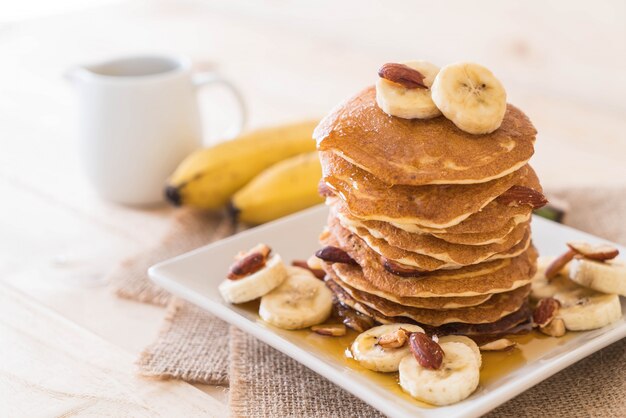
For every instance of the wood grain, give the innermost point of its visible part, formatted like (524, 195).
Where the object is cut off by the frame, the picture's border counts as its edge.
(51, 367)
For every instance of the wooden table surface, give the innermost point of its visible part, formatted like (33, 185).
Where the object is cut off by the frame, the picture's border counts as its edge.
(563, 62)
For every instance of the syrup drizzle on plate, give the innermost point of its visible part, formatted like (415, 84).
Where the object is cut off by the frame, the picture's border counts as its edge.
(495, 365)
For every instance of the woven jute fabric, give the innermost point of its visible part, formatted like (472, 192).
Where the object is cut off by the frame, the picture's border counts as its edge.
(266, 383)
(192, 346)
(190, 229)
(593, 387)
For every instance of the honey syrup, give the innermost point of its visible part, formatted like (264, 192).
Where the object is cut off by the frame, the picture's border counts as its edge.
(495, 364)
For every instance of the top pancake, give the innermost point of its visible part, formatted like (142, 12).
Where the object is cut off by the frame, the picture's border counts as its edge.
(423, 151)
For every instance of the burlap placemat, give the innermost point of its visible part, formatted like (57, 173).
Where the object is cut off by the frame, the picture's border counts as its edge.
(593, 387)
(266, 383)
(181, 350)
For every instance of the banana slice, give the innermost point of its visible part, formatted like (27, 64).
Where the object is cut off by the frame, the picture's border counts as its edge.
(606, 277)
(299, 302)
(397, 100)
(255, 285)
(470, 96)
(585, 309)
(455, 380)
(581, 308)
(467, 341)
(369, 354)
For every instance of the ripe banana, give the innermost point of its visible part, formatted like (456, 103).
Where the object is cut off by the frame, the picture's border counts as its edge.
(284, 188)
(581, 308)
(369, 354)
(470, 96)
(255, 285)
(454, 381)
(207, 178)
(397, 100)
(607, 277)
(299, 302)
(467, 341)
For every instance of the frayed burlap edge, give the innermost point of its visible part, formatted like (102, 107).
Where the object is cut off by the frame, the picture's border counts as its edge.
(192, 345)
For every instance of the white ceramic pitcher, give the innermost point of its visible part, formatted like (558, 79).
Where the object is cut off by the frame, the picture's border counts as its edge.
(139, 118)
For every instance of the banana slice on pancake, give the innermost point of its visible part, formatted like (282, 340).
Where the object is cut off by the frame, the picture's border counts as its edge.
(367, 350)
(581, 308)
(603, 276)
(409, 103)
(470, 96)
(302, 300)
(455, 380)
(255, 285)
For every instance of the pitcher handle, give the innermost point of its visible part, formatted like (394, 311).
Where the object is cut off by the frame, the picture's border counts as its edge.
(204, 79)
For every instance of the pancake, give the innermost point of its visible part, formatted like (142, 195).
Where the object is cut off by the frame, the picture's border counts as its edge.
(423, 151)
(507, 324)
(428, 263)
(490, 225)
(430, 245)
(479, 279)
(496, 307)
(433, 206)
(493, 217)
(424, 303)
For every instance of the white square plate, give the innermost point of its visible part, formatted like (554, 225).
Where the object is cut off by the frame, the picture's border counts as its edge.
(195, 276)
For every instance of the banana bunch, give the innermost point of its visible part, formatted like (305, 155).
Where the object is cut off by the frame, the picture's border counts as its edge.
(284, 188)
(208, 178)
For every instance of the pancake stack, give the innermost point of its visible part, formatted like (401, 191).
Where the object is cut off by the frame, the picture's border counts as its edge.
(428, 224)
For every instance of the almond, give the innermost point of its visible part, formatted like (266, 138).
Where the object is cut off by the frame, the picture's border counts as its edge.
(498, 345)
(556, 328)
(259, 248)
(557, 265)
(351, 318)
(246, 266)
(545, 312)
(400, 270)
(319, 273)
(600, 252)
(395, 339)
(521, 195)
(330, 330)
(427, 352)
(403, 75)
(332, 254)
